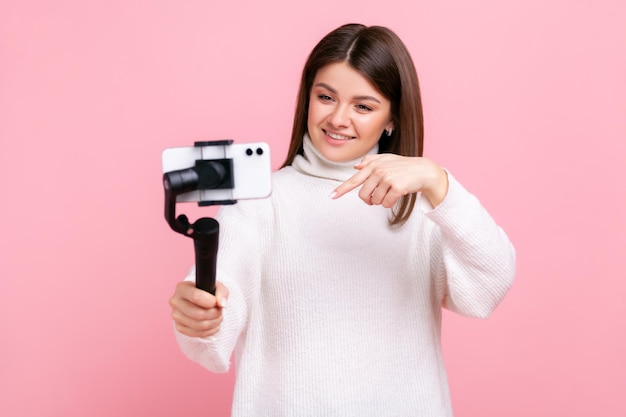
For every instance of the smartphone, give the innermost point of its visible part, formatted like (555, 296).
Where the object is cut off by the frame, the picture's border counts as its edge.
(249, 163)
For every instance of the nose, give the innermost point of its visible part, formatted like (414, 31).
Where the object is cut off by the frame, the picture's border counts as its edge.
(340, 117)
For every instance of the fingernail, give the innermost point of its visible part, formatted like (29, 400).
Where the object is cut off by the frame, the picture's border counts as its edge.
(333, 194)
(221, 302)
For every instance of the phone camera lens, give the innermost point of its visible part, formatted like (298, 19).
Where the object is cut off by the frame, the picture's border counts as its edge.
(249, 152)
(259, 151)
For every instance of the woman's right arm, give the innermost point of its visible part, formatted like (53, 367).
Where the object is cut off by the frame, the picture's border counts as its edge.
(208, 327)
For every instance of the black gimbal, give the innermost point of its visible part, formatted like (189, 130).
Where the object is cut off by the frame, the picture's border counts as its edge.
(206, 174)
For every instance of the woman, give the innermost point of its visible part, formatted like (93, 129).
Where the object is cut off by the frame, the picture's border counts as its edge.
(331, 300)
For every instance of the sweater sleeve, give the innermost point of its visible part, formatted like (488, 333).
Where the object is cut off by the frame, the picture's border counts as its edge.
(474, 260)
(237, 269)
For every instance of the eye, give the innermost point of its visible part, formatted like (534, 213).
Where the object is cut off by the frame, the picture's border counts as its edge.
(363, 108)
(324, 97)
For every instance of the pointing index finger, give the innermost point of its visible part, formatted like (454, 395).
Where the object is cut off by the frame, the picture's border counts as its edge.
(350, 184)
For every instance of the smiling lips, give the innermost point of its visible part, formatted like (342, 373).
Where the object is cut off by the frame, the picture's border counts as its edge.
(337, 136)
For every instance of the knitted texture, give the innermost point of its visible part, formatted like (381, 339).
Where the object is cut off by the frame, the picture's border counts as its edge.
(332, 311)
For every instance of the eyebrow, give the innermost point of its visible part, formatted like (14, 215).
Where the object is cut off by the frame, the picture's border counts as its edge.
(332, 90)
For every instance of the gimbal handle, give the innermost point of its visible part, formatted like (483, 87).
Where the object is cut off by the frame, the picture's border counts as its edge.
(205, 242)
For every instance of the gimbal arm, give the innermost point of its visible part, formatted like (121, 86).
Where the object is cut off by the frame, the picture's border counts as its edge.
(205, 231)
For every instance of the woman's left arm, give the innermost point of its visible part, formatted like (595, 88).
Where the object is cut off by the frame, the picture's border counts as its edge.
(474, 260)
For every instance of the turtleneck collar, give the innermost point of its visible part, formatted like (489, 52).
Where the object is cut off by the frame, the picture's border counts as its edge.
(313, 163)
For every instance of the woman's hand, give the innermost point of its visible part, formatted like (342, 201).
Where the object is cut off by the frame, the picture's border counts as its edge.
(198, 313)
(387, 177)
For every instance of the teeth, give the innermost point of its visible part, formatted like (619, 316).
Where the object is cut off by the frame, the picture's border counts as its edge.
(338, 137)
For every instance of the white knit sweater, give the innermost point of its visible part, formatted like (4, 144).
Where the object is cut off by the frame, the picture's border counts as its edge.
(332, 312)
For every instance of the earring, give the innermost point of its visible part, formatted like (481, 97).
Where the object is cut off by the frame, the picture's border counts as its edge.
(389, 132)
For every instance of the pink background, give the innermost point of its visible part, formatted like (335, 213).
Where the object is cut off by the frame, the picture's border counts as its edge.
(525, 102)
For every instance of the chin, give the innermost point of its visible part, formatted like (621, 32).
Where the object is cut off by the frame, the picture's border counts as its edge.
(334, 156)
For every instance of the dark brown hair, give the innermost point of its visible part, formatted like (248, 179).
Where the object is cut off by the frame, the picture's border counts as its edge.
(381, 57)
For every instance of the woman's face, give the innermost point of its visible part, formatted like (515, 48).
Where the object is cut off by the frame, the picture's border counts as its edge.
(347, 114)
